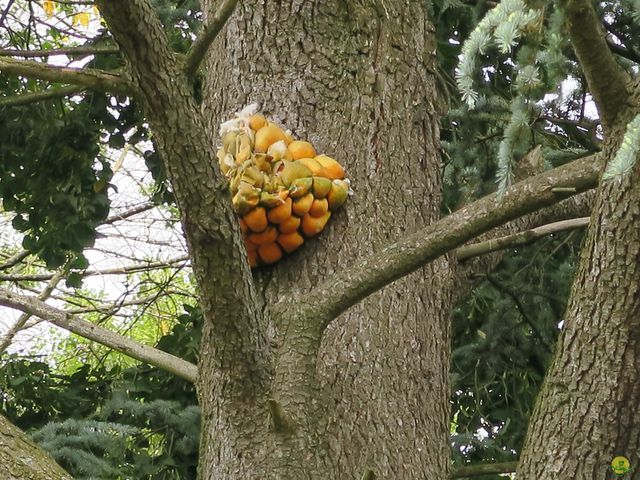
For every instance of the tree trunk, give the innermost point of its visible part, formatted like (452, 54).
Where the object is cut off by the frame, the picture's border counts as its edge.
(21, 459)
(586, 413)
(354, 78)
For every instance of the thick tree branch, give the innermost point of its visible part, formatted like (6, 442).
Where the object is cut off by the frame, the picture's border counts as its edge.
(483, 469)
(608, 82)
(234, 356)
(92, 78)
(199, 48)
(70, 51)
(122, 344)
(28, 98)
(395, 261)
(519, 239)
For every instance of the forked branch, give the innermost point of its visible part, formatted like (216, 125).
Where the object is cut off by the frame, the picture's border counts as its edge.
(395, 261)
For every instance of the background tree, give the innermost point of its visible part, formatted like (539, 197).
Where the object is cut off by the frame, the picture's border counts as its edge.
(308, 369)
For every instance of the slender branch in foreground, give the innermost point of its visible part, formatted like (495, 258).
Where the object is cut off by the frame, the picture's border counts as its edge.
(92, 78)
(607, 80)
(483, 469)
(70, 51)
(24, 318)
(518, 239)
(120, 343)
(27, 98)
(353, 284)
(41, 277)
(199, 48)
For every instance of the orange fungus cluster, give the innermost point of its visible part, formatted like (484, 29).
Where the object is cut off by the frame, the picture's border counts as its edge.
(283, 191)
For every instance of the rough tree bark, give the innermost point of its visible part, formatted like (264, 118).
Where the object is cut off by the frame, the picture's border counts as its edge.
(586, 413)
(21, 459)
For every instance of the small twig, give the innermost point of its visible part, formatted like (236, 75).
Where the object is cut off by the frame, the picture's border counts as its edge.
(6, 12)
(199, 48)
(129, 213)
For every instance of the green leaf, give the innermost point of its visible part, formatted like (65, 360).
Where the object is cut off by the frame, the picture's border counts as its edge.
(73, 280)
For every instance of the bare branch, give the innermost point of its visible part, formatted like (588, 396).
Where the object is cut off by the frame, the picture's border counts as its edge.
(608, 82)
(114, 307)
(199, 48)
(483, 469)
(28, 98)
(70, 51)
(92, 78)
(395, 261)
(518, 239)
(122, 344)
(41, 277)
(116, 217)
(5, 12)
(24, 318)
(14, 260)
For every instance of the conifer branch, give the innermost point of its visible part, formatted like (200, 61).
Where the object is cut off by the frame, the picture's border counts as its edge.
(353, 284)
(607, 81)
(519, 239)
(91, 331)
(198, 50)
(34, 97)
(91, 78)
